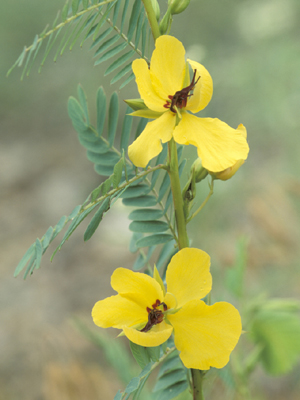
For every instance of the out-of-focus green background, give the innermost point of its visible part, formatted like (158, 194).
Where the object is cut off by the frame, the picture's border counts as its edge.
(251, 48)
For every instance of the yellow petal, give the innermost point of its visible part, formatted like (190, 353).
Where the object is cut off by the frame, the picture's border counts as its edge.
(117, 311)
(167, 67)
(140, 288)
(156, 336)
(188, 275)
(218, 145)
(203, 90)
(148, 144)
(206, 335)
(145, 88)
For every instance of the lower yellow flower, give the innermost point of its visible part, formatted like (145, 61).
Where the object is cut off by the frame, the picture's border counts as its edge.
(148, 315)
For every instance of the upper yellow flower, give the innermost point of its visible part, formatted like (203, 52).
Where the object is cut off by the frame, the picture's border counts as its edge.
(169, 93)
(204, 335)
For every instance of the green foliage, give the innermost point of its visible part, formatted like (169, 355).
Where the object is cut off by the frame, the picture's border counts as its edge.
(123, 181)
(172, 378)
(235, 275)
(87, 19)
(278, 333)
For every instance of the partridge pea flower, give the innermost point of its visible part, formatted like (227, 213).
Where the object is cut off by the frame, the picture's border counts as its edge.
(168, 93)
(148, 315)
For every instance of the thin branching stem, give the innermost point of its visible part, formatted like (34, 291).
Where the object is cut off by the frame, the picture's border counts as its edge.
(122, 186)
(204, 202)
(125, 38)
(67, 21)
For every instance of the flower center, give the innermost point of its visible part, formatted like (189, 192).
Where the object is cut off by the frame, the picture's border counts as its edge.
(180, 98)
(155, 316)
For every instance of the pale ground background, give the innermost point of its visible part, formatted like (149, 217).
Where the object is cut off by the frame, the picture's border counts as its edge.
(251, 48)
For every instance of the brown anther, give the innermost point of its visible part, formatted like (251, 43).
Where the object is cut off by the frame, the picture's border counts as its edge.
(155, 316)
(156, 304)
(179, 100)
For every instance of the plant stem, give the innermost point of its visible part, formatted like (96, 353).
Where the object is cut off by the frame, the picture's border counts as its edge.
(197, 377)
(183, 240)
(152, 19)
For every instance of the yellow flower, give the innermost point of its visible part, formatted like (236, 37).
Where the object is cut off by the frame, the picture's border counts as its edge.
(168, 94)
(148, 315)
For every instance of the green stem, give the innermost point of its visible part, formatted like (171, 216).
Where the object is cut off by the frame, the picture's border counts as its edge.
(183, 240)
(197, 377)
(152, 19)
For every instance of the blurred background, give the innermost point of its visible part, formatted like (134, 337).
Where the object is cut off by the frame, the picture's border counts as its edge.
(251, 48)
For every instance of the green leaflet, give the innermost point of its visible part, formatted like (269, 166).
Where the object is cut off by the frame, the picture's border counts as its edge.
(155, 239)
(119, 62)
(101, 110)
(113, 118)
(170, 378)
(172, 391)
(142, 201)
(148, 226)
(111, 53)
(97, 218)
(126, 130)
(165, 185)
(140, 354)
(109, 159)
(75, 5)
(105, 170)
(166, 253)
(117, 175)
(142, 259)
(145, 214)
(136, 191)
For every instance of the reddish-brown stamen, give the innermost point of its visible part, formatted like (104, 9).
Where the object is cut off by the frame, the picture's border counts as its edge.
(155, 316)
(179, 100)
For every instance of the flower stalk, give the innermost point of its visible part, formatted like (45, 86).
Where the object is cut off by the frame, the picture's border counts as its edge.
(152, 19)
(197, 377)
(183, 240)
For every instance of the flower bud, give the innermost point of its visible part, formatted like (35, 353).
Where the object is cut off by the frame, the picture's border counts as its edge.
(165, 23)
(156, 8)
(228, 172)
(200, 172)
(178, 6)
